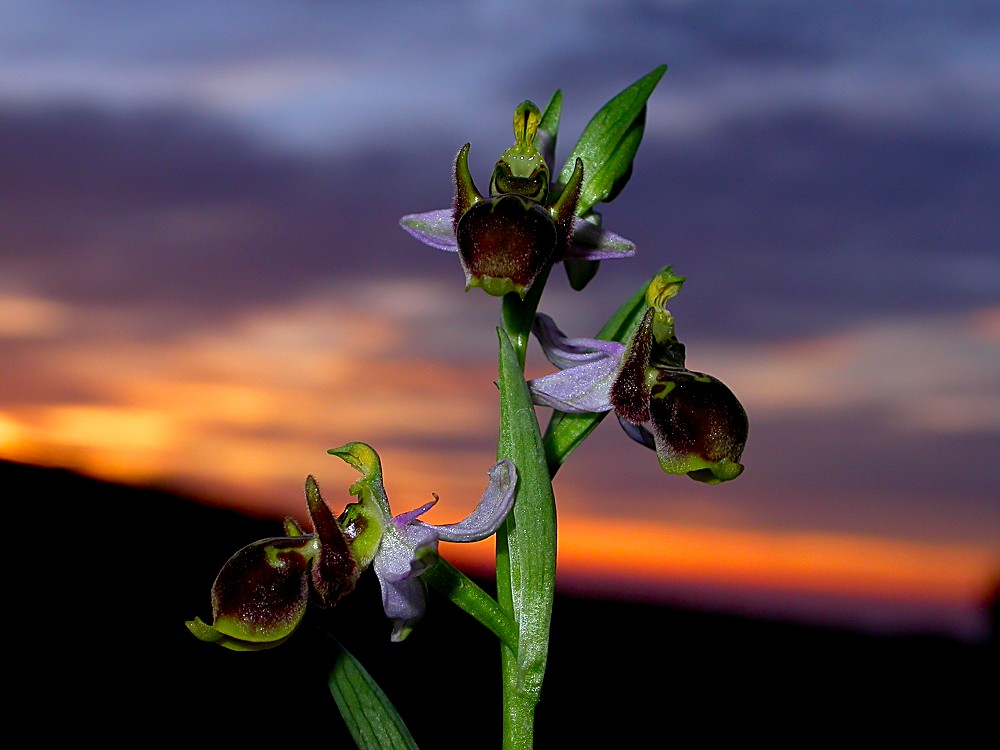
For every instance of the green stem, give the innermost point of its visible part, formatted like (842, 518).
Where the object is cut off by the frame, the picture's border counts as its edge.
(467, 595)
(564, 434)
(526, 548)
(526, 543)
(518, 316)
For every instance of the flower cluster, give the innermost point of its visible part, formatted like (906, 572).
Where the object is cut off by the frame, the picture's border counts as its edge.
(507, 241)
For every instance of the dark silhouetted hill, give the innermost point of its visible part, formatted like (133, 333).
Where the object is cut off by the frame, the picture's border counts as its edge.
(101, 577)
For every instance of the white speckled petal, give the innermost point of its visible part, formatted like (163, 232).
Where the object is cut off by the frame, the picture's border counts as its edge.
(402, 556)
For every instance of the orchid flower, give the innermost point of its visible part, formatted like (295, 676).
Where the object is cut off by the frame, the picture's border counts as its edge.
(507, 240)
(260, 596)
(693, 421)
(402, 547)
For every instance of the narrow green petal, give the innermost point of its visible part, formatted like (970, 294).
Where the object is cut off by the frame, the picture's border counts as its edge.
(466, 193)
(550, 121)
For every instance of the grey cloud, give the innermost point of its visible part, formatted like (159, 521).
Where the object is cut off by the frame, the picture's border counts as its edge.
(797, 224)
(784, 226)
(165, 209)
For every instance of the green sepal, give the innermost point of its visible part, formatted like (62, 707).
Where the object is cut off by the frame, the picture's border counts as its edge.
(364, 521)
(466, 193)
(609, 143)
(580, 272)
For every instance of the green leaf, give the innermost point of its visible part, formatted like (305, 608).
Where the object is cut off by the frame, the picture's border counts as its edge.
(565, 432)
(531, 526)
(370, 716)
(609, 143)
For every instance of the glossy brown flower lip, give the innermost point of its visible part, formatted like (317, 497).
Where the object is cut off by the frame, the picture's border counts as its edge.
(260, 596)
(506, 238)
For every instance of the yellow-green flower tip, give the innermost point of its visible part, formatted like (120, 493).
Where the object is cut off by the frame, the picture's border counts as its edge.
(701, 469)
(361, 456)
(209, 634)
(496, 287)
(662, 288)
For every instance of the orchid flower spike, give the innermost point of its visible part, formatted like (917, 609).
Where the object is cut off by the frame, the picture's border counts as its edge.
(507, 240)
(693, 421)
(260, 596)
(403, 547)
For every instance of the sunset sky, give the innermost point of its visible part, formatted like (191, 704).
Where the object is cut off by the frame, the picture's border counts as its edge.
(203, 283)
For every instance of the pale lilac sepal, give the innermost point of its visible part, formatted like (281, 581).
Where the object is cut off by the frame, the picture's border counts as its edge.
(581, 389)
(591, 242)
(563, 351)
(409, 546)
(401, 558)
(433, 228)
(491, 511)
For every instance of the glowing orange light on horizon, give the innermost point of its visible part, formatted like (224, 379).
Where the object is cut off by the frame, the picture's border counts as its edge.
(653, 554)
(246, 411)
